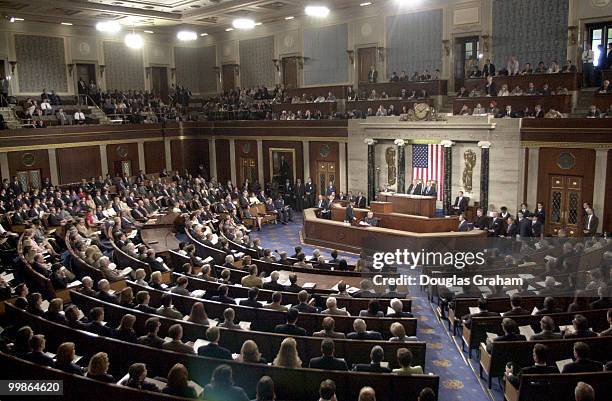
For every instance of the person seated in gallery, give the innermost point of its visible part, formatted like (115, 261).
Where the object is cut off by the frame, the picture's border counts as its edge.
(394, 77)
(463, 224)
(461, 203)
(369, 220)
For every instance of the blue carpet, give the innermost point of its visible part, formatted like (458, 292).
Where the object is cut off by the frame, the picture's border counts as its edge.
(458, 380)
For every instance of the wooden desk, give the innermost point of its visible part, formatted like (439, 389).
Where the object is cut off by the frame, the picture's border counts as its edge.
(410, 204)
(338, 91)
(571, 81)
(433, 88)
(602, 101)
(337, 235)
(403, 222)
(398, 104)
(326, 108)
(562, 103)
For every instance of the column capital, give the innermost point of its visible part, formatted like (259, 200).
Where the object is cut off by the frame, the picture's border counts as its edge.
(369, 141)
(484, 144)
(446, 143)
(400, 142)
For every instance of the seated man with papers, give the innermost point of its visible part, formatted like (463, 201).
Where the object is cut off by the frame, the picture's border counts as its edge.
(540, 356)
(510, 329)
(369, 220)
(581, 362)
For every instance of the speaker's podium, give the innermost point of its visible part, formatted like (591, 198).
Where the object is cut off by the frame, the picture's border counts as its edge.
(381, 207)
(418, 205)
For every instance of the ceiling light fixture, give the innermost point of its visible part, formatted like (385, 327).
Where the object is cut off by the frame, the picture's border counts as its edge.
(133, 41)
(243, 23)
(187, 35)
(258, 23)
(67, 23)
(317, 11)
(289, 17)
(229, 29)
(15, 19)
(108, 26)
(367, 3)
(150, 32)
(203, 34)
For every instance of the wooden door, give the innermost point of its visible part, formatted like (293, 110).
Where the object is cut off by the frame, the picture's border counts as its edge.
(466, 54)
(248, 170)
(85, 71)
(326, 172)
(290, 72)
(159, 82)
(228, 75)
(366, 58)
(30, 179)
(565, 205)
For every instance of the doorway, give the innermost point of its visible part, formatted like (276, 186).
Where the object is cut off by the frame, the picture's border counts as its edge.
(30, 179)
(290, 72)
(466, 56)
(228, 76)
(85, 71)
(248, 170)
(326, 172)
(565, 205)
(159, 82)
(366, 58)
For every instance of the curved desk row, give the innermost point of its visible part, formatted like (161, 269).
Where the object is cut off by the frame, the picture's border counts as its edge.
(336, 234)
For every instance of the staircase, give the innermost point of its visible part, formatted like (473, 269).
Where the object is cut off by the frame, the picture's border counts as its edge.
(10, 118)
(585, 100)
(98, 114)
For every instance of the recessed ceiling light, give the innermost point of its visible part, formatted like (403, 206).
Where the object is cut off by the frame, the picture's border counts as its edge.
(317, 11)
(243, 23)
(229, 29)
(367, 3)
(133, 41)
(258, 23)
(148, 31)
(67, 23)
(289, 17)
(203, 34)
(187, 35)
(108, 26)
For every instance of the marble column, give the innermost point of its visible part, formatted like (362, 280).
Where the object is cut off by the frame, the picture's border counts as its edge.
(484, 175)
(168, 154)
(448, 176)
(4, 167)
(53, 166)
(306, 157)
(260, 163)
(103, 160)
(533, 166)
(371, 168)
(599, 193)
(212, 157)
(401, 165)
(142, 163)
(343, 171)
(232, 154)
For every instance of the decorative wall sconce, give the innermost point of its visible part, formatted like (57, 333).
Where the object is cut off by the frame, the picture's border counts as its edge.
(572, 35)
(217, 71)
(446, 44)
(70, 68)
(148, 71)
(172, 72)
(301, 60)
(381, 53)
(102, 68)
(276, 64)
(485, 43)
(13, 65)
(351, 56)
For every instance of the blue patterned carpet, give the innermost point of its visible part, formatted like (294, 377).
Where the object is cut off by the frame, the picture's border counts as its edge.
(458, 379)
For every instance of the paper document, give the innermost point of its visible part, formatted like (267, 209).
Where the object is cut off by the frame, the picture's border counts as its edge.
(527, 331)
(561, 364)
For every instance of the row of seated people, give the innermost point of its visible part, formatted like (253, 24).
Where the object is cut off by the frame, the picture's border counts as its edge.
(531, 90)
(373, 95)
(31, 347)
(594, 112)
(510, 112)
(513, 68)
(416, 76)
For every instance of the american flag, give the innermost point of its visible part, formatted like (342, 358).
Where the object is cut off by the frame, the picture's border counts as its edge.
(428, 164)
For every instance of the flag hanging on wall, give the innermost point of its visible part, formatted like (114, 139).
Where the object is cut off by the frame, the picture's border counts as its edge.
(428, 164)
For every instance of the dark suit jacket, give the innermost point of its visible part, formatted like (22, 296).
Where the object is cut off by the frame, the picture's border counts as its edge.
(461, 203)
(592, 227)
(327, 363)
(546, 335)
(151, 341)
(251, 303)
(517, 311)
(583, 365)
(532, 370)
(507, 337)
(39, 358)
(215, 351)
(463, 226)
(491, 90)
(290, 329)
(370, 367)
(360, 201)
(349, 214)
(368, 335)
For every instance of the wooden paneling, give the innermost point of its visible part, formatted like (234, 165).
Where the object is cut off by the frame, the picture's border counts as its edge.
(339, 91)
(299, 156)
(591, 130)
(366, 58)
(290, 72)
(30, 160)
(438, 87)
(562, 103)
(245, 149)
(155, 156)
(222, 150)
(607, 218)
(326, 108)
(228, 76)
(327, 152)
(73, 164)
(189, 154)
(117, 153)
(584, 167)
(570, 81)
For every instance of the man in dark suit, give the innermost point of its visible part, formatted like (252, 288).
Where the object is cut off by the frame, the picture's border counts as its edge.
(290, 328)
(37, 355)
(581, 328)
(104, 294)
(430, 189)
(590, 223)
(480, 222)
(582, 363)
(510, 329)
(547, 326)
(490, 87)
(461, 203)
(463, 224)
(142, 303)
(151, 339)
(213, 349)
(373, 75)
(369, 219)
(331, 189)
(252, 299)
(416, 188)
(523, 225)
(362, 333)
(540, 356)
(222, 296)
(483, 311)
(517, 309)
(536, 227)
(349, 214)
(327, 361)
(309, 192)
(303, 305)
(366, 290)
(360, 201)
(488, 69)
(299, 191)
(96, 323)
(495, 226)
(377, 355)
(273, 284)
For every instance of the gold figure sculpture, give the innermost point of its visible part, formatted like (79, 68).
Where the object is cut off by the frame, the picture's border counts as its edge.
(391, 169)
(468, 170)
